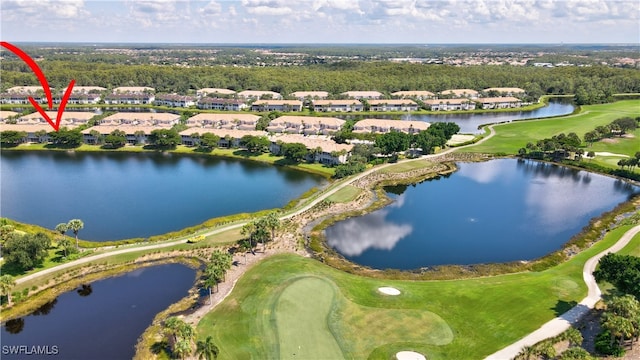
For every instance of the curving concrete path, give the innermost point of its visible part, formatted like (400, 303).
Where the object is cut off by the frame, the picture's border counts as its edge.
(560, 324)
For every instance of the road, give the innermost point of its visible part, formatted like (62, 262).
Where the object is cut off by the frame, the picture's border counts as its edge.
(560, 324)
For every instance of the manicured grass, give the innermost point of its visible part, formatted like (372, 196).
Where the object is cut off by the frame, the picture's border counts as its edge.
(483, 314)
(513, 136)
(633, 248)
(301, 314)
(406, 166)
(345, 195)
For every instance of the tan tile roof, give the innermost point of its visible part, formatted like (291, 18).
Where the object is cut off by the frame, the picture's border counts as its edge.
(505, 90)
(24, 89)
(216, 90)
(302, 94)
(499, 99)
(84, 89)
(225, 117)
(235, 134)
(413, 93)
(128, 129)
(459, 92)
(29, 128)
(141, 116)
(258, 93)
(446, 101)
(336, 102)
(327, 146)
(278, 102)
(133, 89)
(365, 125)
(362, 93)
(327, 121)
(392, 102)
(66, 116)
(5, 114)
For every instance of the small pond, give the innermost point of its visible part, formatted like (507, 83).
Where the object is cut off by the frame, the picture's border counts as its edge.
(496, 211)
(100, 320)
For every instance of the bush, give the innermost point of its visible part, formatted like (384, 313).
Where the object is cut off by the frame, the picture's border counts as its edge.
(604, 347)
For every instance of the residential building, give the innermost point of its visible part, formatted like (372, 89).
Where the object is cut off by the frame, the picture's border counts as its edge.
(228, 137)
(6, 115)
(26, 89)
(325, 151)
(135, 134)
(129, 98)
(460, 93)
(383, 126)
(313, 95)
(85, 89)
(502, 102)
(393, 105)
(78, 98)
(258, 94)
(224, 121)
(69, 118)
(505, 91)
(308, 125)
(337, 105)
(33, 131)
(277, 105)
(17, 98)
(215, 91)
(175, 100)
(422, 95)
(210, 103)
(450, 104)
(363, 94)
(161, 120)
(134, 89)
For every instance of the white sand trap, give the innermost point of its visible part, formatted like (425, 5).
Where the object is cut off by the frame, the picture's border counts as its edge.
(604, 153)
(389, 291)
(410, 355)
(460, 138)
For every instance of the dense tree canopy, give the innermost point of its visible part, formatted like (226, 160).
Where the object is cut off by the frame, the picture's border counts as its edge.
(623, 271)
(164, 138)
(26, 250)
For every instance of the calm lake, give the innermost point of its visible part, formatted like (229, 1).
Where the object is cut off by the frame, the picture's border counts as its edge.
(496, 211)
(469, 123)
(102, 320)
(127, 195)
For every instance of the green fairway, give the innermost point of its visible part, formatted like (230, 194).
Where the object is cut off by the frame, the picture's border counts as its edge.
(457, 319)
(513, 136)
(345, 195)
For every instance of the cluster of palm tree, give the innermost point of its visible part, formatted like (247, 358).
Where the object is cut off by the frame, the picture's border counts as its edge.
(631, 162)
(74, 225)
(620, 322)
(216, 269)
(181, 336)
(260, 230)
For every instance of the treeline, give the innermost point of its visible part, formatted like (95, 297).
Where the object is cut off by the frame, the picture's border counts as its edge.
(335, 78)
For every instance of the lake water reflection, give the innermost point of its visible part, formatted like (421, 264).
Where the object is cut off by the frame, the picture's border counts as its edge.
(126, 195)
(101, 320)
(496, 211)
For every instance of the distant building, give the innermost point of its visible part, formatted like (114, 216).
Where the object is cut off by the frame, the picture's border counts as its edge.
(134, 89)
(363, 94)
(210, 103)
(228, 137)
(337, 106)
(383, 126)
(460, 93)
(258, 94)
(322, 150)
(277, 105)
(419, 94)
(309, 125)
(215, 91)
(314, 95)
(224, 121)
(161, 120)
(450, 104)
(393, 105)
(175, 100)
(502, 102)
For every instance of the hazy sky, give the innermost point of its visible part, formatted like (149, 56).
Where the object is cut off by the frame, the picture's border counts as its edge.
(322, 21)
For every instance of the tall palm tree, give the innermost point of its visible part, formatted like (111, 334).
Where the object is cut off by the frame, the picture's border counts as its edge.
(75, 225)
(272, 222)
(6, 285)
(207, 350)
(62, 228)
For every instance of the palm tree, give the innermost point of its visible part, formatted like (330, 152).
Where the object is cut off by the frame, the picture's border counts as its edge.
(75, 225)
(62, 228)
(207, 350)
(65, 244)
(249, 229)
(272, 222)
(6, 285)
(182, 348)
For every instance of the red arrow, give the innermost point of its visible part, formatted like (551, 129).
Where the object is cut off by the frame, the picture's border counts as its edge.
(45, 86)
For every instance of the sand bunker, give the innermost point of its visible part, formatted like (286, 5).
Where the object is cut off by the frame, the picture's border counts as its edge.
(410, 355)
(605, 153)
(389, 291)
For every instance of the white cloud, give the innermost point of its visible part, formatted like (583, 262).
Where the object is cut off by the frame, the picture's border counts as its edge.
(41, 10)
(268, 7)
